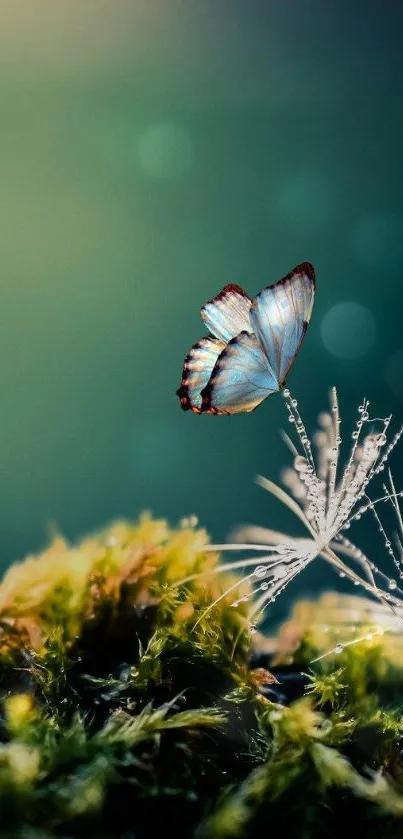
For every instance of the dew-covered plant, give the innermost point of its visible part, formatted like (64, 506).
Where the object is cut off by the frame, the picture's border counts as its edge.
(327, 495)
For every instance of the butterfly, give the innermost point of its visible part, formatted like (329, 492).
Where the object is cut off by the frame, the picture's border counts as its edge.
(251, 347)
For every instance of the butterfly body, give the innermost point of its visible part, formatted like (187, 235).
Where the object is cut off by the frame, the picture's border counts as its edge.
(251, 347)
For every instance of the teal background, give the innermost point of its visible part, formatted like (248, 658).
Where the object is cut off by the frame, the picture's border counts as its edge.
(151, 152)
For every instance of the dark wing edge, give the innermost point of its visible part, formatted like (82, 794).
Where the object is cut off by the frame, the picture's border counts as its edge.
(303, 268)
(230, 287)
(183, 391)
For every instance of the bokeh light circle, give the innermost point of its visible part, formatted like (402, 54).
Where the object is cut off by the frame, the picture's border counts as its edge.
(394, 374)
(378, 242)
(348, 330)
(165, 151)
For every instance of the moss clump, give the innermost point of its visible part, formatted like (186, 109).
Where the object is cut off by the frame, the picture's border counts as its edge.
(125, 706)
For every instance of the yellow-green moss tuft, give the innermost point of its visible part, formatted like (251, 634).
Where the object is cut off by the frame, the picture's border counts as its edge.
(128, 703)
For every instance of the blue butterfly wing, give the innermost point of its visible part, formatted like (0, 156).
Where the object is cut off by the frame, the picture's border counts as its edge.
(227, 314)
(280, 316)
(197, 369)
(241, 378)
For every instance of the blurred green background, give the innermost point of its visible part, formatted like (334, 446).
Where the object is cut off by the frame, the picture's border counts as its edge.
(150, 152)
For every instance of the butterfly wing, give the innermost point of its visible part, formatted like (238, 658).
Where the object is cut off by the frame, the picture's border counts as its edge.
(280, 315)
(241, 378)
(227, 314)
(197, 369)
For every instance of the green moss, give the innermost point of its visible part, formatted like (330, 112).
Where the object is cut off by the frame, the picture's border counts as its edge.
(127, 703)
